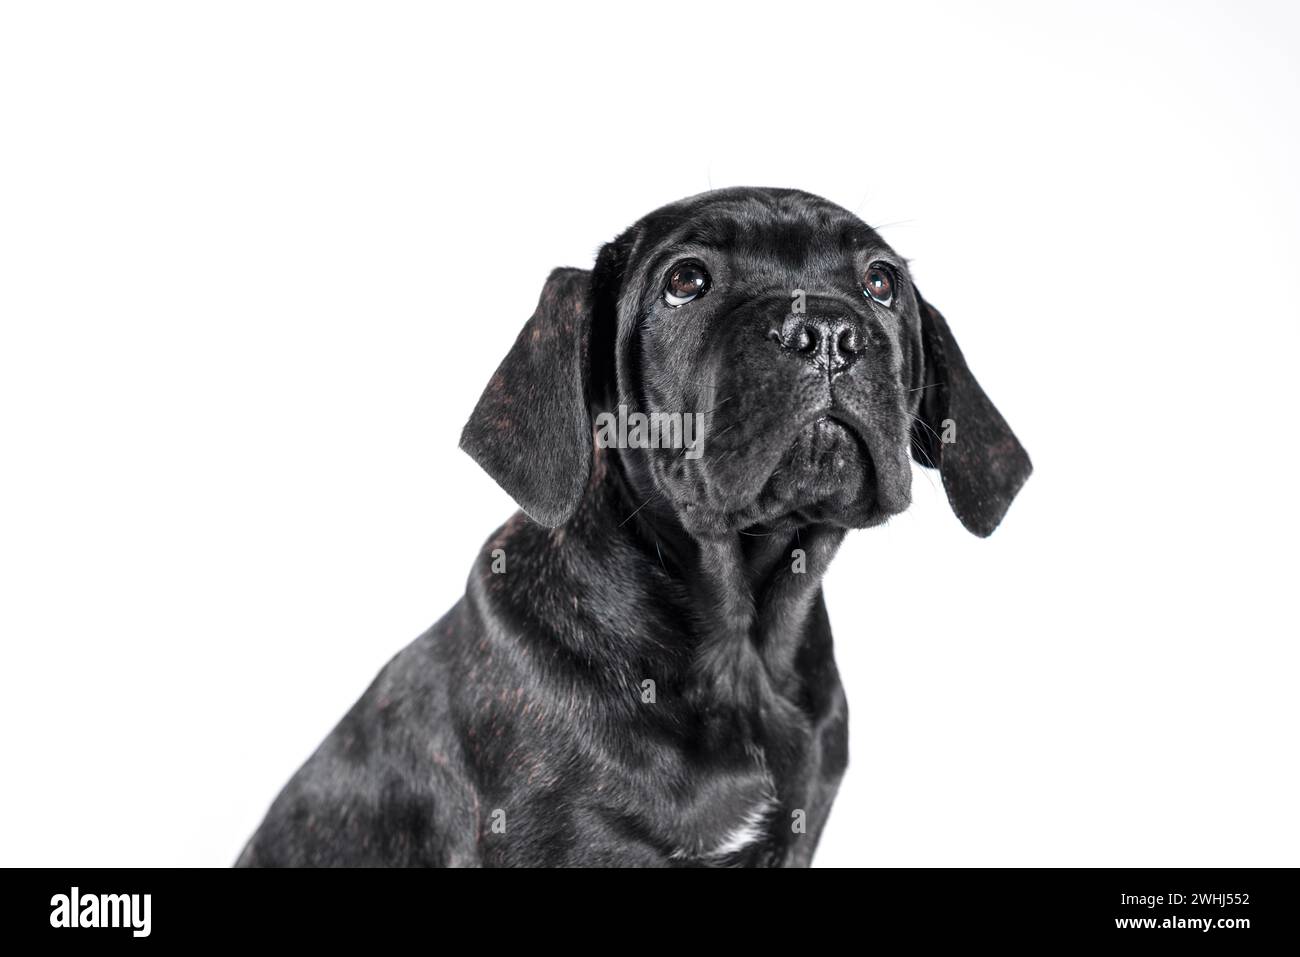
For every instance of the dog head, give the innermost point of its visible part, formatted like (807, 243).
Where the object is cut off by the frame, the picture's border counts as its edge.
(761, 358)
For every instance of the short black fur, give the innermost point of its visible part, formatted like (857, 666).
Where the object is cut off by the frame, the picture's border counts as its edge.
(522, 728)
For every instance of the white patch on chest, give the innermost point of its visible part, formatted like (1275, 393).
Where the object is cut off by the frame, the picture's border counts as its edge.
(748, 831)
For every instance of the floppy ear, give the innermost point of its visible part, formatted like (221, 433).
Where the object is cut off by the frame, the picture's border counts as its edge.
(979, 458)
(531, 429)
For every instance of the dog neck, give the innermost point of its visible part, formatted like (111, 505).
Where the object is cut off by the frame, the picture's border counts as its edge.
(754, 589)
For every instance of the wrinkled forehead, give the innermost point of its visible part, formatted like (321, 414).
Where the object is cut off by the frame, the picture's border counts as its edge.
(787, 228)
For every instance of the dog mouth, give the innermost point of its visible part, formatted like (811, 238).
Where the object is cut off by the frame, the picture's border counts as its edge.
(834, 448)
(827, 474)
(830, 434)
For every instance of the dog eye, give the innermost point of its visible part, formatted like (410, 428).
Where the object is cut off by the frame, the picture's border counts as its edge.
(878, 283)
(687, 281)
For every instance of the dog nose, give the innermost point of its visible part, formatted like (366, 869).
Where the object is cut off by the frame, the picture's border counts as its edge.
(832, 342)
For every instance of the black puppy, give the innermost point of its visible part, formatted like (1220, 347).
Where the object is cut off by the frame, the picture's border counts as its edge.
(641, 671)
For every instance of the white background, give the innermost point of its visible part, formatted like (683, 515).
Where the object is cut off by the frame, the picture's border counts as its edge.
(257, 260)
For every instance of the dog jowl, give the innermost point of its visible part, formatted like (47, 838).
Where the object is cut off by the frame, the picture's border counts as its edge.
(641, 670)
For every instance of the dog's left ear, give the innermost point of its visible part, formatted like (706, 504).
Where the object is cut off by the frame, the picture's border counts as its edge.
(531, 430)
(982, 463)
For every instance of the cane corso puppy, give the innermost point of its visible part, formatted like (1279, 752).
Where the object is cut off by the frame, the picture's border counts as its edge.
(641, 670)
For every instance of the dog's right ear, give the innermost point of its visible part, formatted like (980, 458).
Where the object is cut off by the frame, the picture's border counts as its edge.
(531, 430)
